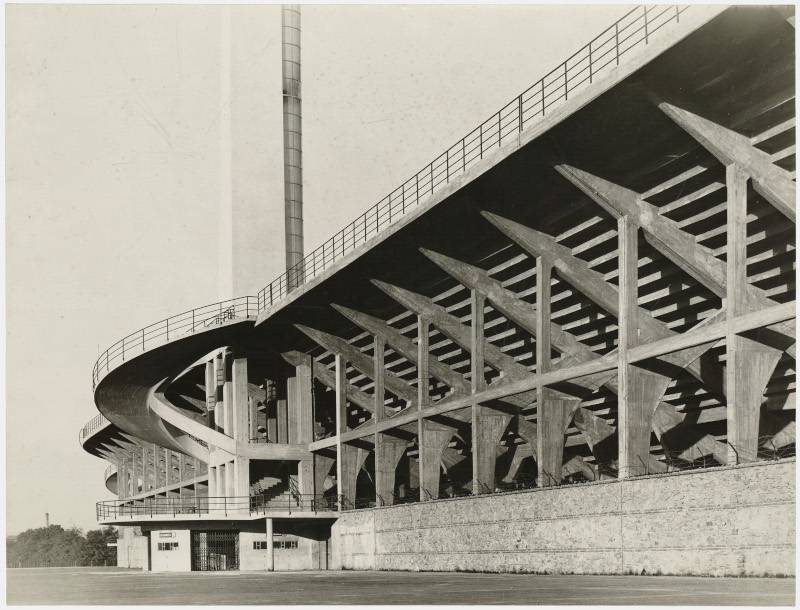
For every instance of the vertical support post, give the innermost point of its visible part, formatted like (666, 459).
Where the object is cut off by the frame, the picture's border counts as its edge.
(341, 421)
(240, 406)
(379, 347)
(627, 231)
(292, 412)
(553, 409)
(169, 467)
(252, 419)
(749, 363)
(219, 399)
(304, 391)
(423, 398)
(270, 559)
(227, 398)
(478, 382)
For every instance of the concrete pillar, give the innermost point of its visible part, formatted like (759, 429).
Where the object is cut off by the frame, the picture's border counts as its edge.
(146, 485)
(388, 452)
(322, 466)
(487, 428)
(219, 398)
(341, 420)
(272, 424)
(121, 478)
(640, 390)
(212, 481)
(433, 442)
(252, 419)
(282, 421)
(304, 391)
(240, 406)
(292, 412)
(227, 401)
(211, 392)
(554, 409)
(750, 363)
(352, 460)
(305, 477)
(241, 484)
(230, 479)
(270, 553)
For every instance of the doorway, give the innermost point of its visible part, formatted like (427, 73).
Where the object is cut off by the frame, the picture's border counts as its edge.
(215, 550)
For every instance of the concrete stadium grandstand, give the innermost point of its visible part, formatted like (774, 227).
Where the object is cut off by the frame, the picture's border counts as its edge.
(567, 344)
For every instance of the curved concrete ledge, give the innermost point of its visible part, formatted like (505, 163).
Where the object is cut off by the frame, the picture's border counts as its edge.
(125, 394)
(111, 478)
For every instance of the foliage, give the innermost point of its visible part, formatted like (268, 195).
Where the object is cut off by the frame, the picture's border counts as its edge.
(55, 546)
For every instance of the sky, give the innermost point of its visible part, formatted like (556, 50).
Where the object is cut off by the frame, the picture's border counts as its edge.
(140, 138)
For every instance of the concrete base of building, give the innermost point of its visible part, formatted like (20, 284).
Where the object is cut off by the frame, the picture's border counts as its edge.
(184, 547)
(725, 521)
(132, 548)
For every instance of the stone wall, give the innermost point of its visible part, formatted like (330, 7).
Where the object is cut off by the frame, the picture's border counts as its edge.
(722, 521)
(132, 548)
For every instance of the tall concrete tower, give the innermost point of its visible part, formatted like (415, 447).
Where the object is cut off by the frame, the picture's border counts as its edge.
(250, 187)
(292, 145)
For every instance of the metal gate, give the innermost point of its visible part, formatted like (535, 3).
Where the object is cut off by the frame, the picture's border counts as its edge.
(215, 550)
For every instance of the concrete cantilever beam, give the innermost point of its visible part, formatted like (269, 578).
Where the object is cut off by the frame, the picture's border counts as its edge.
(666, 416)
(394, 384)
(327, 378)
(774, 183)
(403, 346)
(594, 428)
(591, 283)
(668, 238)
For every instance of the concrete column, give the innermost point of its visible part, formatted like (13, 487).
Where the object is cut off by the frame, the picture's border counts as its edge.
(272, 424)
(554, 409)
(230, 479)
(487, 429)
(227, 400)
(388, 451)
(146, 486)
(352, 460)
(211, 392)
(121, 478)
(640, 390)
(282, 421)
(341, 421)
(304, 389)
(252, 419)
(434, 441)
(750, 363)
(270, 553)
(165, 468)
(322, 466)
(305, 477)
(212, 481)
(292, 412)
(239, 402)
(241, 483)
(427, 456)
(219, 400)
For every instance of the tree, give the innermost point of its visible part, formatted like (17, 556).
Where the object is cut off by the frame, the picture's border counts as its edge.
(96, 550)
(55, 546)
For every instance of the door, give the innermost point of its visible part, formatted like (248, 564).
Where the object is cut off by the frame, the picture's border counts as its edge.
(215, 550)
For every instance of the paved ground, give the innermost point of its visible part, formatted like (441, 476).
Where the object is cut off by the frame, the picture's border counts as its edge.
(118, 586)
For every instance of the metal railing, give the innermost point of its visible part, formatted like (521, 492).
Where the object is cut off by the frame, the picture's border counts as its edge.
(95, 424)
(180, 325)
(596, 58)
(214, 506)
